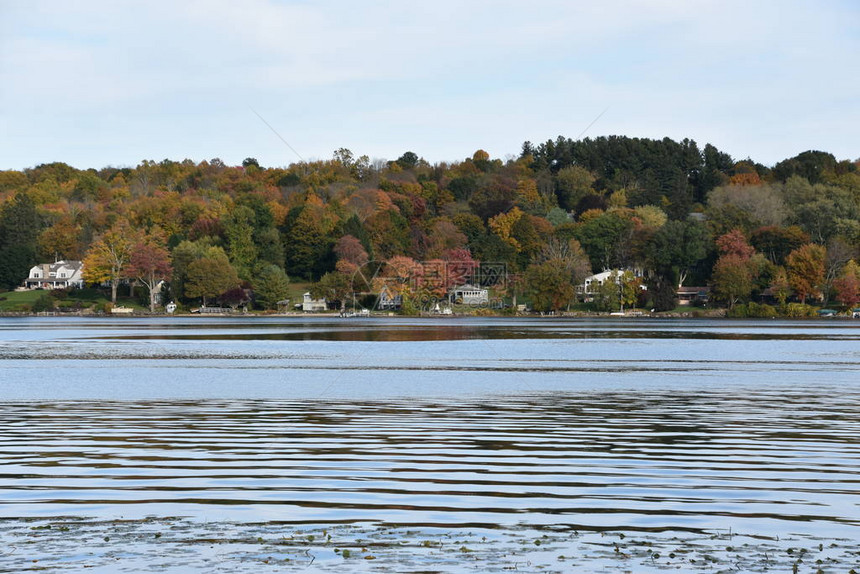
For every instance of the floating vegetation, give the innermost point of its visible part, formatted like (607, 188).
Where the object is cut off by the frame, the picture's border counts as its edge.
(162, 544)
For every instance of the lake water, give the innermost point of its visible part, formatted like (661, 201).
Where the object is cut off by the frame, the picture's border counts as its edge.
(500, 429)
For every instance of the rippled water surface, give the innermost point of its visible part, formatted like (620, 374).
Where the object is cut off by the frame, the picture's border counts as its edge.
(660, 427)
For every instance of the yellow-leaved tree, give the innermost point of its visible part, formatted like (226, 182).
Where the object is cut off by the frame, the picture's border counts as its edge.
(503, 226)
(109, 255)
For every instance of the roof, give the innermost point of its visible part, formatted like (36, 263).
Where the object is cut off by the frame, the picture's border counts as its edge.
(70, 264)
(468, 287)
(603, 275)
(693, 290)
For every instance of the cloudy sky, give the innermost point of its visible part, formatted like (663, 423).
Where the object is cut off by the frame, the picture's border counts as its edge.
(96, 83)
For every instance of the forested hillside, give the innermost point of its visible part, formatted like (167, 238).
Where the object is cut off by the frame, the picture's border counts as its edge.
(559, 211)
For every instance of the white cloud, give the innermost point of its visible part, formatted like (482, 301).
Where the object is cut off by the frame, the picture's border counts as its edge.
(111, 81)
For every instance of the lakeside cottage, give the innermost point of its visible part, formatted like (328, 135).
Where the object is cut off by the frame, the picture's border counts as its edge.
(388, 300)
(309, 304)
(470, 295)
(58, 275)
(588, 288)
(693, 295)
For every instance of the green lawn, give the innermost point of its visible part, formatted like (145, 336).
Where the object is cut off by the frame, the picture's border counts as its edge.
(78, 298)
(297, 290)
(14, 300)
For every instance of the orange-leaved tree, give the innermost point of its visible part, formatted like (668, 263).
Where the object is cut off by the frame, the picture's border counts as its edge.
(805, 266)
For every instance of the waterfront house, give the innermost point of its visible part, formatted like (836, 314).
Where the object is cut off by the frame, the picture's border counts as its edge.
(388, 300)
(692, 295)
(469, 295)
(588, 288)
(309, 304)
(58, 275)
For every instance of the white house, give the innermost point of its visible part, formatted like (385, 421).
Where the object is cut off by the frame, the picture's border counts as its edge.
(311, 304)
(592, 282)
(469, 295)
(59, 275)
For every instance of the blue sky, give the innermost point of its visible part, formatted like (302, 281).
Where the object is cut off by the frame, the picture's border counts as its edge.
(102, 83)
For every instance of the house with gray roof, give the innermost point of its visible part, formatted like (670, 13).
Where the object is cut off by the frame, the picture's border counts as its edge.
(59, 275)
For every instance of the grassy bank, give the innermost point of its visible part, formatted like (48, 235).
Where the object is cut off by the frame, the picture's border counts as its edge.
(90, 300)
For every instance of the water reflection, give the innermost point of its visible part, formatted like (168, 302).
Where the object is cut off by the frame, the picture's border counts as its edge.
(636, 426)
(622, 460)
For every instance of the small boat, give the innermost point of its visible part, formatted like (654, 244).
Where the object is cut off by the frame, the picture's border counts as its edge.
(349, 314)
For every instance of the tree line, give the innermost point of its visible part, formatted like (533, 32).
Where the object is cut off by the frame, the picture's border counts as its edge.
(562, 209)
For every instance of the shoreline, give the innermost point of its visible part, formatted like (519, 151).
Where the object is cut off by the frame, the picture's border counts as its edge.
(156, 543)
(698, 314)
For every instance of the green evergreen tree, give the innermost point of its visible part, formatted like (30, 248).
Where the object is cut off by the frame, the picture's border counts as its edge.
(270, 286)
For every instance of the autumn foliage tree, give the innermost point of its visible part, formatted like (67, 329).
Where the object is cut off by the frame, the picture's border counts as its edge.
(777, 242)
(736, 271)
(350, 253)
(847, 285)
(805, 267)
(109, 256)
(460, 266)
(733, 278)
(150, 264)
(626, 200)
(735, 243)
(503, 226)
(779, 286)
(549, 285)
(211, 275)
(335, 287)
(569, 256)
(61, 240)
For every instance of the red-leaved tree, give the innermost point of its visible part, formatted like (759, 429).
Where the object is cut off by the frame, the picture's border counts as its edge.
(150, 264)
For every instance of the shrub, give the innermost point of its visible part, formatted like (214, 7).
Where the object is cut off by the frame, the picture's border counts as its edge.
(799, 310)
(103, 307)
(59, 294)
(738, 312)
(751, 309)
(408, 307)
(44, 303)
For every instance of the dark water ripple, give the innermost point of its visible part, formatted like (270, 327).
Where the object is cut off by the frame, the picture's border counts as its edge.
(649, 426)
(630, 460)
